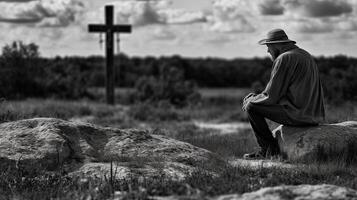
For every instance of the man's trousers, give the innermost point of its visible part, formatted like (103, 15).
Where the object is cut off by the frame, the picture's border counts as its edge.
(258, 113)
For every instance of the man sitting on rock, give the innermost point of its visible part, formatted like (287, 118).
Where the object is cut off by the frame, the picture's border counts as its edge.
(293, 95)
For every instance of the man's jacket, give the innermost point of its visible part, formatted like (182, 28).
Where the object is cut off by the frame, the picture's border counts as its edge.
(295, 85)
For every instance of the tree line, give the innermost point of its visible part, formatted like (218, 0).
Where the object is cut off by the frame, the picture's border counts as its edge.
(24, 73)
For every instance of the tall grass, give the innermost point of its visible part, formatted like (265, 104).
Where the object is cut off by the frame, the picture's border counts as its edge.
(31, 108)
(200, 184)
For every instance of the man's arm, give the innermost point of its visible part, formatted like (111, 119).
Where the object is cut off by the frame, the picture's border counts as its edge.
(250, 95)
(283, 68)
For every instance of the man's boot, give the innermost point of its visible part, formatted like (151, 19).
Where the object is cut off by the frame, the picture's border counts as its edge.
(257, 155)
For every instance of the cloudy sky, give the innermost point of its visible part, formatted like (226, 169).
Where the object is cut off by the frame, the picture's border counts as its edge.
(191, 28)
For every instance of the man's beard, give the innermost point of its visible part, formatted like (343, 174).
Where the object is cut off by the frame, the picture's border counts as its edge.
(274, 55)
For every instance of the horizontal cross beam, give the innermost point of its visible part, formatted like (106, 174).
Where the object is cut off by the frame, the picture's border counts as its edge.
(98, 28)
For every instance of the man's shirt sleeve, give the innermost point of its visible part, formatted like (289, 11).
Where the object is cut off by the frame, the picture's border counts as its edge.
(278, 83)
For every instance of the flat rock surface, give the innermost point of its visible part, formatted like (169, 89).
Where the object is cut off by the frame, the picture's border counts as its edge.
(258, 164)
(84, 148)
(333, 141)
(351, 124)
(300, 192)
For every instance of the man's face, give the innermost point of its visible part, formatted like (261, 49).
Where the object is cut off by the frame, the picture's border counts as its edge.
(273, 51)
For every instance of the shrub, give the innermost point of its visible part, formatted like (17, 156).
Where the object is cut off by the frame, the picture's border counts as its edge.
(24, 74)
(170, 86)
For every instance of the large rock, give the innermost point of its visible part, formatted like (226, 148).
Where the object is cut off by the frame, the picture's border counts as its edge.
(50, 144)
(305, 192)
(335, 141)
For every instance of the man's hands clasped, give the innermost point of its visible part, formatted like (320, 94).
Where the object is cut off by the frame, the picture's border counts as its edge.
(247, 100)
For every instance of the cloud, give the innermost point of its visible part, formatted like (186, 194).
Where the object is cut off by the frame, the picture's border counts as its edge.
(21, 20)
(137, 13)
(271, 7)
(179, 16)
(225, 16)
(17, 1)
(29, 34)
(230, 16)
(161, 33)
(225, 23)
(309, 16)
(220, 39)
(313, 26)
(319, 8)
(233, 26)
(348, 25)
(230, 9)
(141, 13)
(44, 12)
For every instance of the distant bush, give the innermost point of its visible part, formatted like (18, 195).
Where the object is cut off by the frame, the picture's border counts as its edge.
(169, 86)
(17, 70)
(64, 80)
(24, 74)
(340, 84)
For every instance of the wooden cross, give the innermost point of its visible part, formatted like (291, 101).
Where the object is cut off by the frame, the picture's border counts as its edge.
(109, 28)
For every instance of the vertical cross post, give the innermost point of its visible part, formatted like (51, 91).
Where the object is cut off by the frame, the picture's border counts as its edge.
(110, 55)
(109, 29)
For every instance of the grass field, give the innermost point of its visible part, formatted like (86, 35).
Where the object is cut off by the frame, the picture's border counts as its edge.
(205, 92)
(218, 106)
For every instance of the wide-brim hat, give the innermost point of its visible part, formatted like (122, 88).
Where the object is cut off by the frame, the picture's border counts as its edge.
(276, 36)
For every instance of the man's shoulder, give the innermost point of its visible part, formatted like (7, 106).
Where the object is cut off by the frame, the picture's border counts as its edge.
(296, 53)
(286, 56)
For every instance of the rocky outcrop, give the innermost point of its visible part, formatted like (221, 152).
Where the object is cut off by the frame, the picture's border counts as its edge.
(50, 144)
(300, 192)
(260, 164)
(306, 192)
(336, 142)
